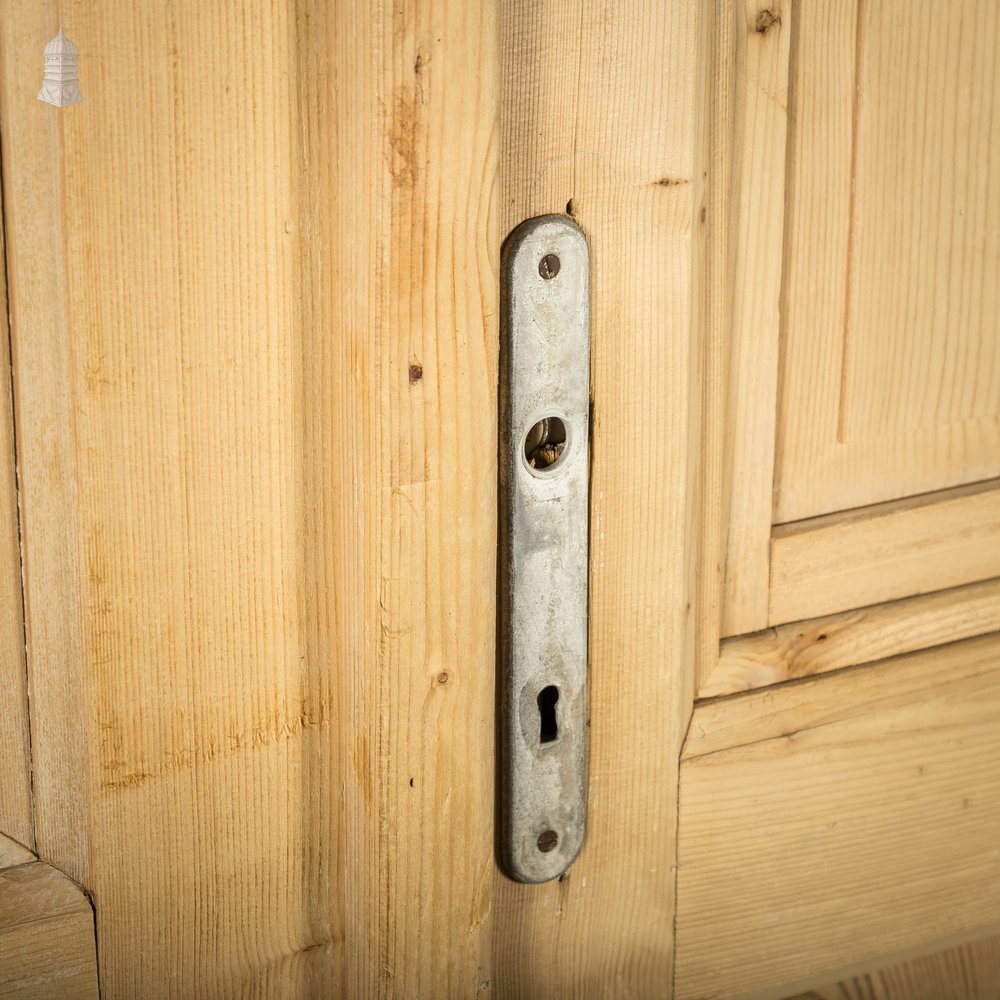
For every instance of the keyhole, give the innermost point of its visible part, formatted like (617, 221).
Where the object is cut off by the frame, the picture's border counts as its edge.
(549, 729)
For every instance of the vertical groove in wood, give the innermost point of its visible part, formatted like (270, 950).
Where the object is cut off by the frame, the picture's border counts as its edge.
(16, 819)
(598, 119)
(851, 263)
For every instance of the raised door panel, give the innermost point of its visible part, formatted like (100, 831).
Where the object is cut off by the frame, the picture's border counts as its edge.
(839, 824)
(859, 443)
(890, 375)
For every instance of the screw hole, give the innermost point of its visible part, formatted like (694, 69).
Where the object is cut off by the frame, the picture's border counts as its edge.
(548, 266)
(547, 841)
(545, 443)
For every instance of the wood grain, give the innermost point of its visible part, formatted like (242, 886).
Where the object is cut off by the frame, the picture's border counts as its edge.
(46, 936)
(871, 791)
(759, 62)
(803, 649)
(261, 553)
(891, 361)
(253, 300)
(418, 286)
(12, 853)
(260, 500)
(881, 553)
(597, 118)
(15, 751)
(715, 88)
(966, 972)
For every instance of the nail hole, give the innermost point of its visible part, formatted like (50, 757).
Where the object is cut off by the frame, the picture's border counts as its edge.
(547, 841)
(545, 443)
(548, 266)
(548, 730)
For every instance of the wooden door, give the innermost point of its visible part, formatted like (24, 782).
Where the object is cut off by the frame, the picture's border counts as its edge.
(254, 294)
(837, 800)
(251, 555)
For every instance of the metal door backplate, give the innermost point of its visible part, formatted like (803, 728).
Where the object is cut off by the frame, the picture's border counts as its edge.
(544, 486)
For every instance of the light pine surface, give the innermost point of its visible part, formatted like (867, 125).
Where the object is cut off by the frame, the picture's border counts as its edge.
(890, 380)
(12, 853)
(715, 90)
(254, 325)
(883, 311)
(597, 118)
(261, 552)
(966, 972)
(802, 649)
(888, 551)
(46, 936)
(758, 67)
(15, 774)
(254, 299)
(830, 826)
(37, 257)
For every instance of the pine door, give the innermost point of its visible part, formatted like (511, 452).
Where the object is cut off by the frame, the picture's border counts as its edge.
(249, 501)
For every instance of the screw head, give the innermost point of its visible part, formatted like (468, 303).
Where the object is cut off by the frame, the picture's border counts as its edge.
(547, 841)
(548, 266)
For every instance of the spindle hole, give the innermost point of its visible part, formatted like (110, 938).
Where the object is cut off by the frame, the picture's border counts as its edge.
(546, 443)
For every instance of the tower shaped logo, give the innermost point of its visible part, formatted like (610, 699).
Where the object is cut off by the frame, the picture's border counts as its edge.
(60, 86)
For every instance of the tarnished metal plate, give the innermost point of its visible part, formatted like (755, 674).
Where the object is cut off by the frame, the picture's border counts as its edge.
(544, 483)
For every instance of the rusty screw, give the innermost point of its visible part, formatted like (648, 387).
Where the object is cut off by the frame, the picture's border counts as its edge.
(548, 266)
(547, 841)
